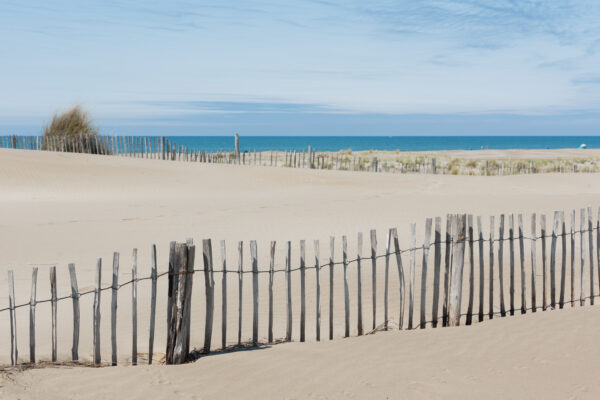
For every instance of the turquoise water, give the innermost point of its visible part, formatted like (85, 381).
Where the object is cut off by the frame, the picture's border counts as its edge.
(402, 143)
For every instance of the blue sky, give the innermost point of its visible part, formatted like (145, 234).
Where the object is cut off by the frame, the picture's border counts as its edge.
(304, 67)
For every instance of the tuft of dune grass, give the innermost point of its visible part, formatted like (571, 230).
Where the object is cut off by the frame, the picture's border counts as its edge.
(74, 123)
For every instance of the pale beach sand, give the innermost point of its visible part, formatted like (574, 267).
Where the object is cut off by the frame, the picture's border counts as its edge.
(57, 208)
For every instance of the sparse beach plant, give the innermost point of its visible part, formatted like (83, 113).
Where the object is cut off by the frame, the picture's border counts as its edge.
(72, 124)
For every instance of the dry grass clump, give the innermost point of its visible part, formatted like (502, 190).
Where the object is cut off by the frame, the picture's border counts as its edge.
(72, 127)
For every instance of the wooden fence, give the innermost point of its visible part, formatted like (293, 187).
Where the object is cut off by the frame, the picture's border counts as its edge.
(162, 148)
(458, 275)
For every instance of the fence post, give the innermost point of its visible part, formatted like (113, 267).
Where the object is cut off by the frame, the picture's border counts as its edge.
(97, 294)
(75, 297)
(182, 260)
(14, 353)
(457, 270)
(32, 303)
(209, 287)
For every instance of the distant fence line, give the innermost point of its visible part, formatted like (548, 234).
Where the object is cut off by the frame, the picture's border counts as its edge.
(454, 261)
(162, 148)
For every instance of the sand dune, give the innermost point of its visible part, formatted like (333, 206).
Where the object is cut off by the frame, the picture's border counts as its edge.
(58, 208)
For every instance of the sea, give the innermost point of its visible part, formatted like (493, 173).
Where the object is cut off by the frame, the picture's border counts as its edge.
(401, 143)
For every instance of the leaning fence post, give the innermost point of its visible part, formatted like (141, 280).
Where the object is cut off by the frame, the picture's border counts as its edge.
(457, 271)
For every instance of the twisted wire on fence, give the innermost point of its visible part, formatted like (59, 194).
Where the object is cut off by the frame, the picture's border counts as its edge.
(451, 242)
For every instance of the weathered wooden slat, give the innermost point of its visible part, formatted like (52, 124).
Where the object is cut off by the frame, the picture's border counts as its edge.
(555, 228)
(401, 286)
(113, 308)
(448, 244)
(511, 250)
(53, 306)
(359, 321)
(189, 279)
(134, 307)
(223, 295)
(522, 264)
(75, 297)
(544, 266)
(32, 303)
(481, 268)
(583, 253)
(254, 258)
(533, 261)
(240, 288)
(454, 306)
(346, 287)
(437, 257)
(501, 265)
(572, 236)
(386, 279)
(318, 290)
(97, 298)
(302, 291)
(469, 232)
(14, 352)
(331, 254)
(411, 288)
(288, 287)
(209, 290)
(178, 327)
(172, 284)
(153, 276)
(271, 275)
(598, 246)
(373, 235)
(563, 268)
(491, 277)
(590, 234)
(426, 245)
